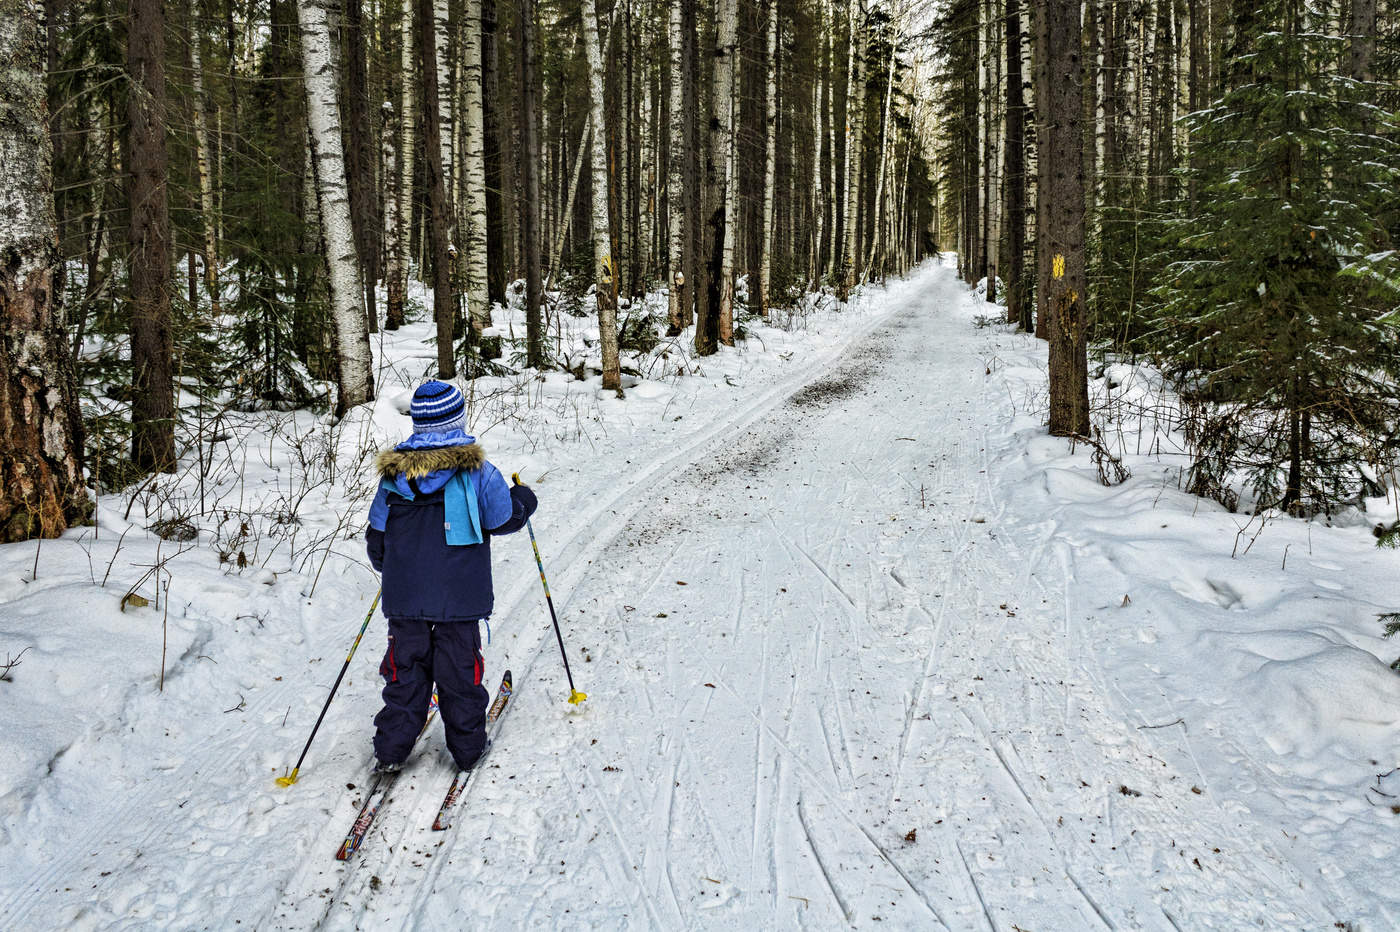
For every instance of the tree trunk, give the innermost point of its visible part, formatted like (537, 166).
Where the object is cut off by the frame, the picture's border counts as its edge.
(1017, 310)
(1039, 91)
(1361, 29)
(604, 277)
(359, 156)
(356, 376)
(439, 209)
(41, 430)
(855, 127)
(495, 176)
(442, 40)
(473, 170)
(877, 205)
(401, 196)
(820, 88)
(677, 295)
(728, 35)
(1064, 155)
(692, 265)
(204, 166)
(770, 163)
(152, 389)
(529, 171)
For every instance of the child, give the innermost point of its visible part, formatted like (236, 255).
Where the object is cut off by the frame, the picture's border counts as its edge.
(430, 528)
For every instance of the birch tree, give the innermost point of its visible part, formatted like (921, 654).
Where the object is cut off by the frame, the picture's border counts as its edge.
(439, 208)
(205, 169)
(473, 170)
(604, 277)
(356, 377)
(675, 208)
(399, 199)
(727, 89)
(855, 107)
(41, 432)
(770, 162)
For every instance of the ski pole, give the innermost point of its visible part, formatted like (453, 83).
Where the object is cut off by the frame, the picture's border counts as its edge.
(575, 697)
(291, 777)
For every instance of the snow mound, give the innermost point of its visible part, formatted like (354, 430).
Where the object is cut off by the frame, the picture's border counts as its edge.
(1339, 698)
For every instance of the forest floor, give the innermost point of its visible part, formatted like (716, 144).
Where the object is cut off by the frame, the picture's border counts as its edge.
(862, 645)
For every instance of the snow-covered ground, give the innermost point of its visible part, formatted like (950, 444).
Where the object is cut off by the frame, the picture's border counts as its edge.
(861, 645)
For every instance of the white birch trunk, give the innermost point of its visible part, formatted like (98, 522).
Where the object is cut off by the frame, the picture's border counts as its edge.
(819, 219)
(399, 202)
(726, 43)
(603, 273)
(855, 108)
(203, 162)
(441, 36)
(347, 308)
(474, 169)
(675, 184)
(770, 165)
(880, 175)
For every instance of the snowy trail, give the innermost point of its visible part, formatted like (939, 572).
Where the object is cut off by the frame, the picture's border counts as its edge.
(846, 665)
(833, 682)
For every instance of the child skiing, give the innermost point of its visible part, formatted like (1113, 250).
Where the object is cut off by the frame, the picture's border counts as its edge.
(439, 503)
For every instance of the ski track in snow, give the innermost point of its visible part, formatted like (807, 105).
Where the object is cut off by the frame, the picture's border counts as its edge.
(833, 681)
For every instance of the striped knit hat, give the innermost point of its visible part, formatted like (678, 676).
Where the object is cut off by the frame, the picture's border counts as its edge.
(437, 408)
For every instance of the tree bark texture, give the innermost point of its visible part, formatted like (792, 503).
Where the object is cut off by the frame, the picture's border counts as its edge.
(400, 208)
(529, 172)
(41, 430)
(356, 376)
(604, 273)
(677, 284)
(205, 168)
(1060, 123)
(359, 156)
(1361, 50)
(692, 265)
(729, 36)
(1017, 311)
(495, 175)
(439, 210)
(770, 162)
(855, 127)
(473, 170)
(152, 387)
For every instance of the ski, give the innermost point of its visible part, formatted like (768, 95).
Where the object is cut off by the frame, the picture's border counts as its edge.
(379, 787)
(462, 777)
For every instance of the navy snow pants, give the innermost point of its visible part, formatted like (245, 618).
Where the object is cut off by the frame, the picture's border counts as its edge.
(420, 654)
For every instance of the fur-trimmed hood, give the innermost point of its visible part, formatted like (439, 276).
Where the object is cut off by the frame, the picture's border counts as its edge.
(415, 464)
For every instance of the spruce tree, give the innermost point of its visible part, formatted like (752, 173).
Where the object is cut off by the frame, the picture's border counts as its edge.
(1261, 314)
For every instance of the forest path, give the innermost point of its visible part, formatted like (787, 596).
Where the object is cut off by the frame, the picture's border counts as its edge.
(833, 682)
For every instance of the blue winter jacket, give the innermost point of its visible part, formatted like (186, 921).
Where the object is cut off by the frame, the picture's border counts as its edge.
(424, 577)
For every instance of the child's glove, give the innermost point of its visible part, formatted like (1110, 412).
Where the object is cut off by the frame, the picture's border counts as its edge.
(524, 498)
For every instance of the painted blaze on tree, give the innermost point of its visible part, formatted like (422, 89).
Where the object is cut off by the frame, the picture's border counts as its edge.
(41, 433)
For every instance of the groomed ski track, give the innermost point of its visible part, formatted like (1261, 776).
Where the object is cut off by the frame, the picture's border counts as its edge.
(845, 670)
(833, 682)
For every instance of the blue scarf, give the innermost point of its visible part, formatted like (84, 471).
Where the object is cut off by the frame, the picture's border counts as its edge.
(461, 507)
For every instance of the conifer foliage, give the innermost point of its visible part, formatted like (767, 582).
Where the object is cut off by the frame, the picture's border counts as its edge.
(1260, 310)
(1237, 215)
